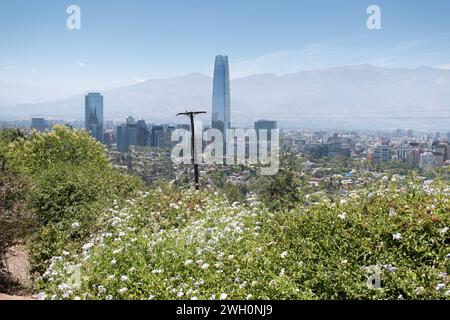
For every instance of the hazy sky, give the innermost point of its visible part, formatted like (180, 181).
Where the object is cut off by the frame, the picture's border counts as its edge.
(125, 41)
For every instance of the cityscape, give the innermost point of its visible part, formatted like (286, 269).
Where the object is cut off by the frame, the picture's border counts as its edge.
(414, 149)
(248, 152)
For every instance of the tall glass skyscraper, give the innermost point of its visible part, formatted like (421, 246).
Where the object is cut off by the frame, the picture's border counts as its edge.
(93, 115)
(221, 95)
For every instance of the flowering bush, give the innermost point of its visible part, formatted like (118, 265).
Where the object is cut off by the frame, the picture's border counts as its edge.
(194, 245)
(70, 179)
(103, 235)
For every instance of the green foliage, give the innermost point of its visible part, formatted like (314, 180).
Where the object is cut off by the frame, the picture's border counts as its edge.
(7, 136)
(235, 192)
(41, 151)
(71, 181)
(282, 190)
(129, 242)
(170, 245)
(15, 221)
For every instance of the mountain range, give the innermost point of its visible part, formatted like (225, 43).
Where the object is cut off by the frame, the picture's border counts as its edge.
(349, 96)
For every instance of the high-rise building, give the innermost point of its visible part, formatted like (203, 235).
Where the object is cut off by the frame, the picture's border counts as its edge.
(123, 144)
(267, 125)
(157, 136)
(39, 124)
(382, 153)
(427, 161)
(93, 115)
(132, 133)
(221, 95)
(168, 137)
(143, 135)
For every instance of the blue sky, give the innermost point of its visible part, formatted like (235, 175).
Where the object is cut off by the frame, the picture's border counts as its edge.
(123, 42)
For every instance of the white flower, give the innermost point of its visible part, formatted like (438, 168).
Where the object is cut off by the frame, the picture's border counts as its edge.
(282, 272)
(88, 246)
(223, 296)
(123, 290)
(400, 297)
(41, 296)
(157, 271)
(420, 290)
(205, 266)
(230, 257)
(392, 212)
(180, 294)
(440, 286)
(113, 261)
(397, 236)
(443, 231)
(101, 289)
(249, 296)
(124, 278)
(75, 225)
(194, 298)
(283, 254)
(342, 216)
(443, 275)
(188, 262)
(109, 297)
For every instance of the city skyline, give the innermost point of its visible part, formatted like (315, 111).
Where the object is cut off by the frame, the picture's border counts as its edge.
(295, 63)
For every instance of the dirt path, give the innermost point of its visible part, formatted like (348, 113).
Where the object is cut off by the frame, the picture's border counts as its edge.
(18, 266)
(8, 297)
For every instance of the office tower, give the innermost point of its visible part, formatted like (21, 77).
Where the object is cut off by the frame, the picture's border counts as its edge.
(39, 124)
(427, 161)
(168, 137)
(108, 138)
(267, 125)
(122, 138)
(132, 133)
(157, 136)
(93, 115)
(382, 153)
(131, 120)
(142, 135)
(186, 127)
(221, 95)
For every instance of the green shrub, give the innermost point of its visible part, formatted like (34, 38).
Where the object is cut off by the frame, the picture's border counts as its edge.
(71, 181)
(195, 245)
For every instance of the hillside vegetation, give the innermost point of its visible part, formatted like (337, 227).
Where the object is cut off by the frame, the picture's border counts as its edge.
(100, 234)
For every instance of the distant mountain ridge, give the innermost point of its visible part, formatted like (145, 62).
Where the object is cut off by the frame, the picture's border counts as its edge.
(360, 94)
